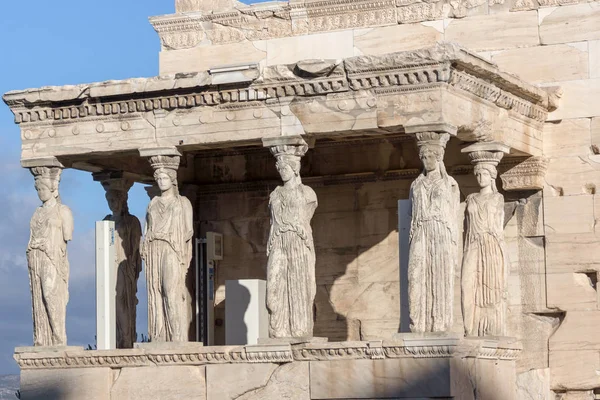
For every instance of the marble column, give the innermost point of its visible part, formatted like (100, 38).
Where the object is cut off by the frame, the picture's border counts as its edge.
(291, 283)
(127, 244)
(433, 238)
(167, 251)
(484, 266)
(51, 229)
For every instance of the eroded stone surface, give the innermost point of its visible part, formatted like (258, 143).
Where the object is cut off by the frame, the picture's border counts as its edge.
(433, 239)
(165, 382)
(258, 381)
(51, 228)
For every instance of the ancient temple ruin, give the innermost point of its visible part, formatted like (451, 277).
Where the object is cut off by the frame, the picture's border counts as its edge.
(403, 175)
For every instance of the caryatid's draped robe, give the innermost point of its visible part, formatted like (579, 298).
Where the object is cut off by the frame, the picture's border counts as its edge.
(484, 268)
(291, 282)
(167, 252)
(129, 266)
(433, 252)
(51, 228)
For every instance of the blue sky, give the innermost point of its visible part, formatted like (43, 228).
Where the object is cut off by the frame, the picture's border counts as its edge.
(57, 43)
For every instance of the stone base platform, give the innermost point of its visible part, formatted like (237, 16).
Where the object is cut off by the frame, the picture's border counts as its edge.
(408, 367)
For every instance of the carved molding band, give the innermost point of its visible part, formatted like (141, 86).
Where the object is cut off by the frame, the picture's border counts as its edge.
(443, 64)
(374, 350)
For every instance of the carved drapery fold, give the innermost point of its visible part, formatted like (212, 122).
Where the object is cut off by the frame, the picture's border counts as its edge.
(291, 282)
(128, 233)
(51, 229)
(167, 252)
(484, 267)
(434, 197)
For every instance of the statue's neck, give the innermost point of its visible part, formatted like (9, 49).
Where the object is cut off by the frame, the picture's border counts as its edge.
(168, 193)
(435, 174)
(292, 183)
(49, 203)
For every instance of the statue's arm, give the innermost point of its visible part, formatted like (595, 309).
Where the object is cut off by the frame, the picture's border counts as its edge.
(67, 223)
(455, 208)
(188, 219)
(311, 201)
(136, 238)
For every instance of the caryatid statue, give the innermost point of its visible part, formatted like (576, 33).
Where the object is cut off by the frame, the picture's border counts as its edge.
(484, 267)
(291, 283)
(435, 201)
(128, 261)
(51, 229)
(167, 252)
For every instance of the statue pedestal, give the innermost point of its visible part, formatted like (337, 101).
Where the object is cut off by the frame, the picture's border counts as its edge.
(408, 367)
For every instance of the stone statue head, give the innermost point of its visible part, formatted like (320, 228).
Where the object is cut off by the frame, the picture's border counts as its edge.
(431, 151)
(46, 182)
(165, 172)
(166, 179)
(288, 166)
(117, 201)
(117, 194)
(486, 175)
(485, 167)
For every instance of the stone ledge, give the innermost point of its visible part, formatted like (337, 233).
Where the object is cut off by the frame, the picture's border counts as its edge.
(409, 70)
(404, 347)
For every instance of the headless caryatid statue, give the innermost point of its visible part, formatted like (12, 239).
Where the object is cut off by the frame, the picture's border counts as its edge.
(484, 269)
(291, 283)
(51, 229)
(167, 252)
(128, 261)
(435, 200)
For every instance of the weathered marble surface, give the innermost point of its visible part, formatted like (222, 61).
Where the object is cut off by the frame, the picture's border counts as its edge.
(128, 234)
(167, 252)
(433, 239)
(51, 229)
(484, 267)
(291, 283)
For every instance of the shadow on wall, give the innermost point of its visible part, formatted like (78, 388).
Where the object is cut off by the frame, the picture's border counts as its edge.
(238, 297)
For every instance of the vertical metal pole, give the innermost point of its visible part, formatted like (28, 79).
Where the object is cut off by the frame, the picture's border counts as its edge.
(199, 301)
(106, 286)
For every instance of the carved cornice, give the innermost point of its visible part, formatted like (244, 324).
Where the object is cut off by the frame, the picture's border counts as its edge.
(527, 175)
(373, 350)
(443, 64)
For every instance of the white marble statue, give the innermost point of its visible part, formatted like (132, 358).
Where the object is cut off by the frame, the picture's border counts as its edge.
(291, 283)
(167, 252)
(435, 201)
(129, 263)
(51, 229)
(484, 269)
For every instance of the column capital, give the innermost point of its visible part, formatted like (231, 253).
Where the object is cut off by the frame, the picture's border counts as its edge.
(436, 127)
(41, 162)
(288, 140)
(159, 151)
(487, 146)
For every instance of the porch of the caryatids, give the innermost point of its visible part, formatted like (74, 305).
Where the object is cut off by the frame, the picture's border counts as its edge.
(291, 282)
(167, 250)
(48, 264)
(433, 238)
(127, 251)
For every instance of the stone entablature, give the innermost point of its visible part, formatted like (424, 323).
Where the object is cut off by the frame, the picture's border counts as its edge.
(271, 20)
(379, 94)
(195, 354)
